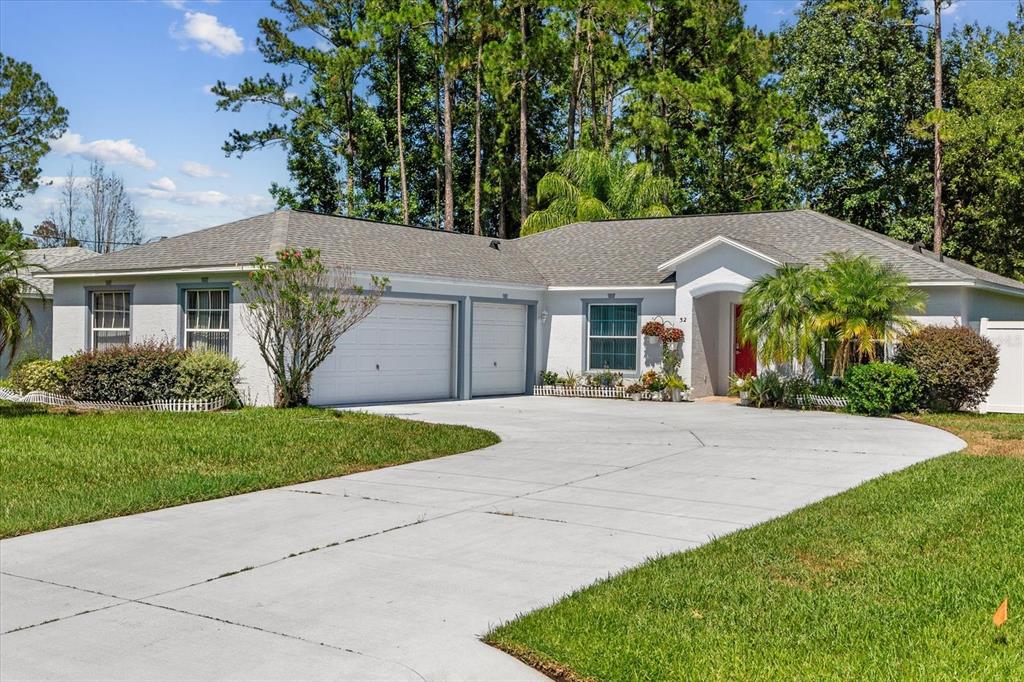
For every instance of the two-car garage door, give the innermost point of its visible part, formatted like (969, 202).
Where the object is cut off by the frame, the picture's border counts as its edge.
(402, 351)
(406, 350)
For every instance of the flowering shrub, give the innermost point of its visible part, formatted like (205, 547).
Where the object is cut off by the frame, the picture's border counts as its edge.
(652, 381)
(663, 331)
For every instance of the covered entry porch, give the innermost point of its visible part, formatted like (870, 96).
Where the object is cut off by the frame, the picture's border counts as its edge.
(715, 347)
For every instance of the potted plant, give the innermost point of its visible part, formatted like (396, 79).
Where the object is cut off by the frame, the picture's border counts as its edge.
(635, 391)
(670, 337)
(739, 385)
(676, 387)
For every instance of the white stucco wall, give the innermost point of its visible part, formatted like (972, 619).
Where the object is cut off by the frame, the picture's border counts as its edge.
(37, 342)
(563, 336)
(156, 312)
(715, 279)
(155, 316)
(966, 305)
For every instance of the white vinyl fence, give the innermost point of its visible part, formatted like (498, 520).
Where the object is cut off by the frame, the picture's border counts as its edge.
(1007, 394)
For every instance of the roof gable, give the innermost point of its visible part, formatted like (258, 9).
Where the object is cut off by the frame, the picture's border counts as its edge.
(764, 252)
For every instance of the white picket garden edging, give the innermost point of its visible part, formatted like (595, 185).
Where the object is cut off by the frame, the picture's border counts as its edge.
(809, 400)
(581, 391)
(561, 391)
(46, 398)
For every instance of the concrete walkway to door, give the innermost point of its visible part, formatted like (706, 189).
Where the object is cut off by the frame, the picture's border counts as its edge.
(395, 573)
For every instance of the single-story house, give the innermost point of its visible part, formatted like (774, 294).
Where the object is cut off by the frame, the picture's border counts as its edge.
(38, 295)
(468, 316)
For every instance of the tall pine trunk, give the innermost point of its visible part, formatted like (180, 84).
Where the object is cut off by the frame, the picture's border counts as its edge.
(350, 151)
(938, 213)
(574, 79)
(449, 191)
(524, 199)
(477, 155)
(437, 130)
(401, 139)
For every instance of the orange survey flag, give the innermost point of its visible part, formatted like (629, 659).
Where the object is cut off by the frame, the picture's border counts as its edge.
(999, 617)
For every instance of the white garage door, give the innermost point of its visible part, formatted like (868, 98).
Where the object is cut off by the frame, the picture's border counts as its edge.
(499, 349)
(402, 351)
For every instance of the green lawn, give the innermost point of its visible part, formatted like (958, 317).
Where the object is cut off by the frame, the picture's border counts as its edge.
(59, 469)
(895, 579)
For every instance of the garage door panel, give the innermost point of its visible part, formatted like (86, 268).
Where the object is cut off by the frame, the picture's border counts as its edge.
(499, 349)
(401, 351)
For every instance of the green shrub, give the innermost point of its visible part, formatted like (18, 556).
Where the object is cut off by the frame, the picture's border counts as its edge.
(207, 375)
(881, 388)
(793, 388)
(548, 378)
(137, 373)
(765, 390)
(40, 375)
(605, 379)
(956, 365)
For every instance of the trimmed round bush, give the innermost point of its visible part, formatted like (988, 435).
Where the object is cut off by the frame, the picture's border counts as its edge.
(956, 365)
(132, 374)
(881, 388)
(40, 375)
(207, 375)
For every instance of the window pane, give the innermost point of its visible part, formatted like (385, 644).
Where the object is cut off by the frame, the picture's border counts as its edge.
(207, 319)
(109, 339)
(207, 340)
(613, 320)
(614, 354)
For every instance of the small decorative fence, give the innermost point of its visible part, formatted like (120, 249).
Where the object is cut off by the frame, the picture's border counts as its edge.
(826, 401)
(562, 391)
(581, 391)
(46, 398)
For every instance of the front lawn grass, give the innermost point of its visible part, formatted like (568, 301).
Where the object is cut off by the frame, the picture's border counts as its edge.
(58, 469)
(895, 579)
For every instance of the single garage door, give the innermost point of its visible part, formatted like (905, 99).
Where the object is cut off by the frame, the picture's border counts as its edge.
(402, 351)
(499, 349)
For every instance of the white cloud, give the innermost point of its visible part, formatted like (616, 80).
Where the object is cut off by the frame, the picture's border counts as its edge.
(251, 203)
(164, 184)
(176, 4)
(194, 169)
(208, 34)
(107, 151)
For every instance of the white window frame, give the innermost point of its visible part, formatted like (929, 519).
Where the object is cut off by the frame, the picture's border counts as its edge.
(635, 337)
(93, 310)
(186, 330)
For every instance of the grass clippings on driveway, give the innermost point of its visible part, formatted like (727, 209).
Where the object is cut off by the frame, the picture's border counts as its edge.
(895, 579)
(58, 469)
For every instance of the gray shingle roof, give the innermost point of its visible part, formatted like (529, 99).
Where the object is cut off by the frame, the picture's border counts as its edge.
(628, 252)
(50, 259)
(603, 253)
(359, 244)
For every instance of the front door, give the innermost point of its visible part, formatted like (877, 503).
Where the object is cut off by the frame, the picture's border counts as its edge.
(744, 357)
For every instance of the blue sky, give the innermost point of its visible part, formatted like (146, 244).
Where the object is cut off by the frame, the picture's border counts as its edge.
(134, 76)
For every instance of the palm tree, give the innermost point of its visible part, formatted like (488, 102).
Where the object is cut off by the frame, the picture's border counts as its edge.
(779, 313)
(855, 302)
(594, 185)
(866, 303)
(14, 309)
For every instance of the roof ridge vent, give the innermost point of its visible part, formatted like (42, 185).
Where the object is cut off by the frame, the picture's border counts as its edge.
(495, 244)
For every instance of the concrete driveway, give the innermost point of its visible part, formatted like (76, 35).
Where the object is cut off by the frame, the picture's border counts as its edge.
(395, 573)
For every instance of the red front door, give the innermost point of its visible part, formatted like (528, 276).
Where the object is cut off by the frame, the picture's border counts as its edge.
(744, 358)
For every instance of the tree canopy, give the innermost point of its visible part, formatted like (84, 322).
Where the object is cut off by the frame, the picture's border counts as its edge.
(30, 117)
